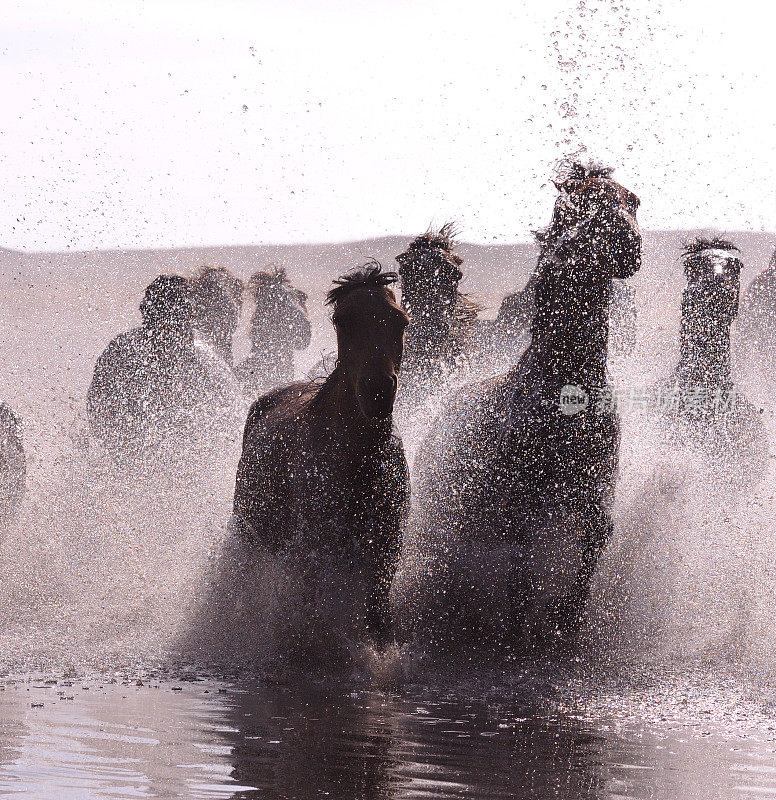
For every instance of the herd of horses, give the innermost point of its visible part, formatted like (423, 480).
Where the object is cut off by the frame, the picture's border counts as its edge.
(512, 503)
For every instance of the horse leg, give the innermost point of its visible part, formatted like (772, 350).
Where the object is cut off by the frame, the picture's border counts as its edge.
(568, 615)
(380, 568)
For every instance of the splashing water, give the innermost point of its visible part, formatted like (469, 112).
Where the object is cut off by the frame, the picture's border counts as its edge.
(105, 575)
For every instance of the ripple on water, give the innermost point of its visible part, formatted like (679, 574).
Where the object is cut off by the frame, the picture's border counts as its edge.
(128, 741)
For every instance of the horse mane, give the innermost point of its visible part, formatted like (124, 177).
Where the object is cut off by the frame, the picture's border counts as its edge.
(567, 174)
(466, 313)
(571, 171)
(368, 276)
(444, 239)
(700, 244)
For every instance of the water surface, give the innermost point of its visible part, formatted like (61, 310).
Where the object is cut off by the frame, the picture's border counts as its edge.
(112, 738)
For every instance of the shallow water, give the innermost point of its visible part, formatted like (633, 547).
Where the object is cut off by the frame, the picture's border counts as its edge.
(111, 738)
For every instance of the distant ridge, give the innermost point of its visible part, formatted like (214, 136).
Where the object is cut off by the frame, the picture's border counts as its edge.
(491, 270)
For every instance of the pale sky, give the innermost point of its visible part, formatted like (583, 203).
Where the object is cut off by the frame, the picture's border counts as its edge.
(195, 122)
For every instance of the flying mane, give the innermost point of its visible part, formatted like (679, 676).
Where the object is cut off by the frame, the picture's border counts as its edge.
(430, 259)
(369, 276)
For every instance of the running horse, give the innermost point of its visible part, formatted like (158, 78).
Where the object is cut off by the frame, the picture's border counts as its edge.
(323, 473)
(444, 320)
(699, 402)
(513, 501)
(279, 326)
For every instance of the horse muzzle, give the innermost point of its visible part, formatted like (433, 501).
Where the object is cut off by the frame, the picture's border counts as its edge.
(377, 394)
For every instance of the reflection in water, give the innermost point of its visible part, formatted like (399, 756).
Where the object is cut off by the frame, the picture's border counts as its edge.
(206, 740)
(366, 745)
(93, 740)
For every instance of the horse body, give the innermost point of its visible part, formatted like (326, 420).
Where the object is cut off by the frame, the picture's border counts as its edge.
(700, 405)
(322, 477)
(280, 325)
(513, 501)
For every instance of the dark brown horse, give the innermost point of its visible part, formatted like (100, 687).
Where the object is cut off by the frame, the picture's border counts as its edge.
(280, 325)
(513, 500)
(443, 320)
(216, 300)
(699, 402)
(322, 474)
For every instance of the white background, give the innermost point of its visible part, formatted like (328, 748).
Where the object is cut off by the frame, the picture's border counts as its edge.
(135, 124)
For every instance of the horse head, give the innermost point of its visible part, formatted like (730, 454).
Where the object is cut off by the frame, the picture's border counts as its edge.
(279, 306)
(713, 271)
(429, 272)
(370, 337)
(596, 210)
(166, 308)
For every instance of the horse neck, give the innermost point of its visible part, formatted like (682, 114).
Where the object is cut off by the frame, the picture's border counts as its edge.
(704, 342)
(570, 329)
(337, 415)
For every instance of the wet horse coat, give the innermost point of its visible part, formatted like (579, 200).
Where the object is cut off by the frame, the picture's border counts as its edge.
(513, 500)
(322, 477)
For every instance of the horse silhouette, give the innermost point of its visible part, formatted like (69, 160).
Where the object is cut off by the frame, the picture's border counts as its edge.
(513, 500)
(280, 325)
(699, 402)
(322, 479)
